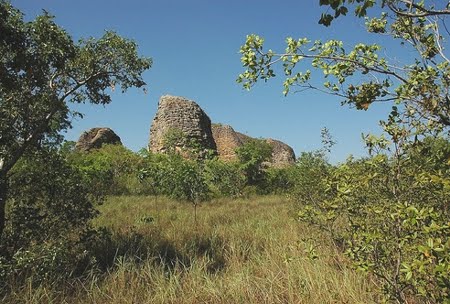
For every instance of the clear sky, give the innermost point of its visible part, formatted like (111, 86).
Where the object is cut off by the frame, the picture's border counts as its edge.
(195, 48)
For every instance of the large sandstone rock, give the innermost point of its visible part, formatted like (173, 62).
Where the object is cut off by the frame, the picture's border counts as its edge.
(227, 140)
(184, 122)
(95, 138)
(178, 114)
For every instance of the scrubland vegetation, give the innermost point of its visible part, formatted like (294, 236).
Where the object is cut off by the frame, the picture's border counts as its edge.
(238, 251)
(115, 226)
(181, 231)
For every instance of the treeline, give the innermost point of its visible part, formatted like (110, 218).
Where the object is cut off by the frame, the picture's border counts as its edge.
(115, 170)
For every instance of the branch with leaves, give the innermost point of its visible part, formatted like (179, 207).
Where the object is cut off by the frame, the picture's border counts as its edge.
(362, 75)
(41, 70)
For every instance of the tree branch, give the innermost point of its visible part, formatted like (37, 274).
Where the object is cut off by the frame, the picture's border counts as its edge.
(17, 154)
(425, 12)
(343, 59)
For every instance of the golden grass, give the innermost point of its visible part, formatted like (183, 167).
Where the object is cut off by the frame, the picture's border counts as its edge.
(238, 251)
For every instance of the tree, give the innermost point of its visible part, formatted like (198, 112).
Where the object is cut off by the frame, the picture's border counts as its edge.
(224, 178)
(390, 211)
(48, 232)
(363, 74)
(176, 177)
(41, 70)
(251, 156)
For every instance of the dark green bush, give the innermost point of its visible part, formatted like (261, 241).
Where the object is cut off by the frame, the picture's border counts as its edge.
(49, 215)
(224, 178)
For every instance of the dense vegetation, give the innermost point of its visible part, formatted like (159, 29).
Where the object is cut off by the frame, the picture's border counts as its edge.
(385, 215)
(389, 213)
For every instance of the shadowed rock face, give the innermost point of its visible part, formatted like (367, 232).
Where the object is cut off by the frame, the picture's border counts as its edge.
(95, 138)
(185, 116)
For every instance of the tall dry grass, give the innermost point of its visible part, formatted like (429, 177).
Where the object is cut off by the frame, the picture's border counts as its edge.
(238, 251)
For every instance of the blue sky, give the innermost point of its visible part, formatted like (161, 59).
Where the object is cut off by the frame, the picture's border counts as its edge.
(194, 45)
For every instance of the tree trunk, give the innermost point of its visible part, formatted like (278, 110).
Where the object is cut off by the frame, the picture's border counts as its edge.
(3, 196)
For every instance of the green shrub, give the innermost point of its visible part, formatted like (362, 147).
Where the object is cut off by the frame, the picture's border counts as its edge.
(224, 178)
(173, 176)
(112, 169)
(49, 215)
(279, 180)
(388, 215)
(251, 156)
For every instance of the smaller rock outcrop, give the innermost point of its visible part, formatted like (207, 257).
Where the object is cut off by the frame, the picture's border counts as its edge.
(95, 138)
(282, 154)
(227, 140)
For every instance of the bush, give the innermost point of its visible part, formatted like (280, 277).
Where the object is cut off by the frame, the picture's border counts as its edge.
(279, 180)
(110, 170)
(388, 215)
(173, 176)
(251, 156)
(49, 215)
(309, 177)
(224, 178)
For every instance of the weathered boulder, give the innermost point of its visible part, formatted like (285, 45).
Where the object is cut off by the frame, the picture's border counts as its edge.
(282, 154)
(95, 138)
(178, 115)
(227, 140)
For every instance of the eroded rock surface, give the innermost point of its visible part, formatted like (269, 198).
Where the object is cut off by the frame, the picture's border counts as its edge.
(227, 140)
(95, 138)
(178, 114)
(182, 125)
(282, 154)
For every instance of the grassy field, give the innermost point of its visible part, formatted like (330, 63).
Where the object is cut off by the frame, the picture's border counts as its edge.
(238, 251)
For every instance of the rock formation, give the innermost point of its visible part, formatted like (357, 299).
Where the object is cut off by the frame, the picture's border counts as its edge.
(180, 122)
(95, 138)
(178, 114)
(282, 154)
(227, 140)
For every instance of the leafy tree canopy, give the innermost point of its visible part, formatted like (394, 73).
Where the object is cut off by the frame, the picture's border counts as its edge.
(41, 70)
(363, 74)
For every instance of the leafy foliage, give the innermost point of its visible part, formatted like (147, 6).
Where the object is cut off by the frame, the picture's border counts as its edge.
(41, 70)
(362, 75)
(48, 219)
(389, 212)
(112, 169)
(224, 179)
(175, 177)
(251, 156)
